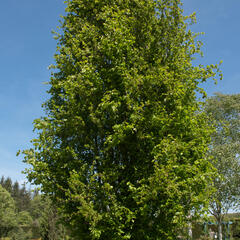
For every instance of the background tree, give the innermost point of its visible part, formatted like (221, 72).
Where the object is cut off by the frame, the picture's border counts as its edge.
(46, 223)
(7, 184)
(122, 150)
(24, 199)
(16, 191)
(50, 227)
(36, 210)
(20, 194)
(28, 215)
(7, 213)
(23, 230)
(224, 111)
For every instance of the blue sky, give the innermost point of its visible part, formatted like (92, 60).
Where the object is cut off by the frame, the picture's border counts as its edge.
(219, 19)
(27, 48)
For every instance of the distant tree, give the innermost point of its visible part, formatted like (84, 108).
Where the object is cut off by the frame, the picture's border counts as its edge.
(2, 180)
(36, 210)
(15, 190)
(31, 214)
(8, 220)
(122, 150)
(24, 199)
(224, 111)
(46, 220)
(50, 227)
(16, 194)
(20, 194)
(24, 219)
(23, 229)
(36, 205)
(7, 184)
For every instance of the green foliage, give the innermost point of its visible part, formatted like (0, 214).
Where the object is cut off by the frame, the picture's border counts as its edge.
(224, 112)
(7, 213)
(23, 229)
(21, 196)
(46, 223)
(13, 224)
(50, 227)
(40, 220)
(122, 150)
(24, 219)
(36, 210)
(7, 184)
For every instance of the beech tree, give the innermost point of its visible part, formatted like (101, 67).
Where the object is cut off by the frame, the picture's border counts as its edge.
(224, 112)
(122, 148)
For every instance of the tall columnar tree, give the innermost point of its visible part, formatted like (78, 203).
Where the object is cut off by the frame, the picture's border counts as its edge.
(224, 111)
(122, 147)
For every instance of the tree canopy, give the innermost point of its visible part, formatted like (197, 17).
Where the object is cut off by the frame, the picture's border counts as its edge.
(122, 149)
(224, 112)
(25, 215)
(7, 213)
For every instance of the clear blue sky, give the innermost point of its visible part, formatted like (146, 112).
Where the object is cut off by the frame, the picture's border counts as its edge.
(27, 48)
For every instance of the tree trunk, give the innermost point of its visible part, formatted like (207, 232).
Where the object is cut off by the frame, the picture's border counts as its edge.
(189, 231)
(189, 227)
(219, 229)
